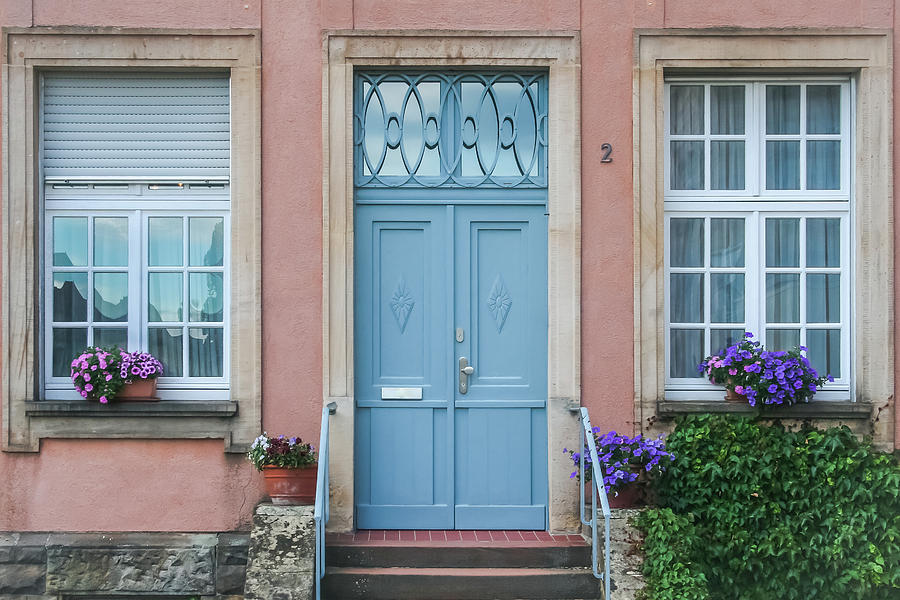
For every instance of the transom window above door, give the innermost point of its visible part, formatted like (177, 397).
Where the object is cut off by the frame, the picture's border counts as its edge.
(450, 129)
(757, 223)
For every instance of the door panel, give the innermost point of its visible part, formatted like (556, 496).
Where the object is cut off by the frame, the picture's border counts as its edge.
(403, 468)
(475, 460)
(500, 284)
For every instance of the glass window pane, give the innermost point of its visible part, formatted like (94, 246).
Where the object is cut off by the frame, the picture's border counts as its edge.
(686, 243)
(207, 241)
(165, 297)
(782, 109)
(166, 242)
(823, 242)
(782, 165)
(720, 339)
(165, 344)
(726, 165)
(823, 165)
(782, 339)
(70, 241)
(206, 297)
(783, 297)
(726, 297)
(825, 350)
(70, 297)
(686, 117)
(205, 349)
(726, 109)
(782, 242)
(67, 344)
(110, 242)
(823, 298)
(687, 165)
(110, 296)
(823, 109)
(111, 337)
(686, 298)
(685, 353)
(726, 241)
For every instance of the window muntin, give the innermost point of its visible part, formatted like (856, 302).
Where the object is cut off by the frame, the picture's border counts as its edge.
(774, 138)
(708, 142)
(171, 301)
(793, 286)
(88, 285)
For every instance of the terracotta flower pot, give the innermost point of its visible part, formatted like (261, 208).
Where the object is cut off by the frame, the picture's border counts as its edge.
(291, 486)
(629, 497)
(733, 396)
(140, 390)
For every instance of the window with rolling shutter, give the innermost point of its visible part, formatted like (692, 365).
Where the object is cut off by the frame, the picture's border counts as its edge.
(136, 126)
(136, 224)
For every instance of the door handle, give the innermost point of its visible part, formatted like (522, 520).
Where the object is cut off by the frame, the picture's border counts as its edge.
(464, 371)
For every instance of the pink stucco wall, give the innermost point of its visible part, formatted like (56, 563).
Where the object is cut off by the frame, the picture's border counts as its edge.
(166, 485)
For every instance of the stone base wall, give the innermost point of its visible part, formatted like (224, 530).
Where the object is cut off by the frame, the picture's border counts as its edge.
(626, 557)
(149, 565)
(281, 563)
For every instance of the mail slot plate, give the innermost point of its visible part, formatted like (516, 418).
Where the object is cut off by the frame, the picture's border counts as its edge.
(401, 393)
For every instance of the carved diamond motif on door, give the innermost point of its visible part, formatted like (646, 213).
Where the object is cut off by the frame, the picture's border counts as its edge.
(499, 302)
(402, 304)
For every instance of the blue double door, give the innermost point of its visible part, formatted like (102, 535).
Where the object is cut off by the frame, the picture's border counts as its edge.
(451, 366)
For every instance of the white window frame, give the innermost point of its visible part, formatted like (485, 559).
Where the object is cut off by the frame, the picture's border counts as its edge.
(755, 203)
(138, 202)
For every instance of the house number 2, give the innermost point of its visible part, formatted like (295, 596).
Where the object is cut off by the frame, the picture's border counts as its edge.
(607, 151)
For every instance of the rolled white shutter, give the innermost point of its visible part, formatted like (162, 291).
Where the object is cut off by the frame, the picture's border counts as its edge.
(166, 126)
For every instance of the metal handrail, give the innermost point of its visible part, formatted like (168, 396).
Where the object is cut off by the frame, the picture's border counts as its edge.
(322, 510)
(596, 490)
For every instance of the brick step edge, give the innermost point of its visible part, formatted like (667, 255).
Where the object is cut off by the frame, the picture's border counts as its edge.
(409, 583)
(457, 556)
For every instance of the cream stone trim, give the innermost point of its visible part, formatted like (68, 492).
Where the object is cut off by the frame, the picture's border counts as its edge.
(865, 54)
(559, 52)
(25, 53)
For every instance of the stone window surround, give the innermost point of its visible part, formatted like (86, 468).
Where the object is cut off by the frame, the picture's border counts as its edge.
(559, 52)
(25, 418)
(864, 54)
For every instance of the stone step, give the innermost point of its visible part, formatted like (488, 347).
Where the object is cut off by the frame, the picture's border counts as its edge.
(458, 556)
(405, 583)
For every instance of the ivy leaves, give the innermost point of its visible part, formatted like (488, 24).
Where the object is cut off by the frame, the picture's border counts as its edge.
(778, 514)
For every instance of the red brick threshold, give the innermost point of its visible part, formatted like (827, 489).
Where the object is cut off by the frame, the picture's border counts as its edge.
(444, 538)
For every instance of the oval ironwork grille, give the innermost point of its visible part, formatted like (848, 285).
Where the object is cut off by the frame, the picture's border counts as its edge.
(450, 129)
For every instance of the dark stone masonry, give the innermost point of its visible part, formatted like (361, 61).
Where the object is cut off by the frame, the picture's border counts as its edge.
(42, 565)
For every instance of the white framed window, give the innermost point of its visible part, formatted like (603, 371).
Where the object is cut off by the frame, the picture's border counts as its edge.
(136, 225)
(757, 223)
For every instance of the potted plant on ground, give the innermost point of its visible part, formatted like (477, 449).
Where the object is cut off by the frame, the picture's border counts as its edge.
(627, 465)
(752, 374)
(138, 371)
(96, 374)
(288, 466)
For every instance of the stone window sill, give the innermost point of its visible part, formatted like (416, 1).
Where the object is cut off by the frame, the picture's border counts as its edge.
(813, 410)
(74, 408)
